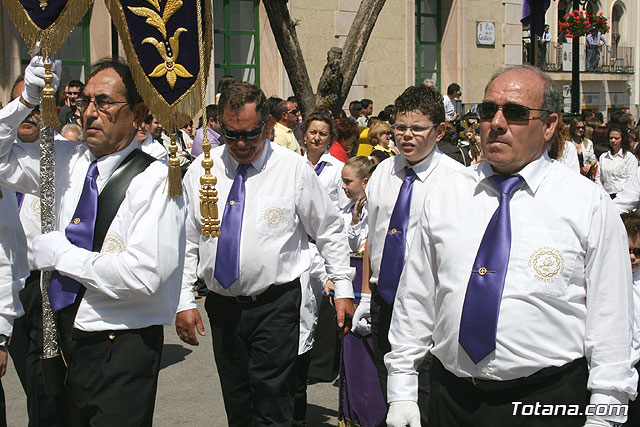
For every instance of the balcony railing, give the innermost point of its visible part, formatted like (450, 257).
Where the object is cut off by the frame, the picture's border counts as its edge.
(618, 60)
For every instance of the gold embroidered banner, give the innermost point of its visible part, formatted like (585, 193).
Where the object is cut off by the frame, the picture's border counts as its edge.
(162, 45)
(46, 21)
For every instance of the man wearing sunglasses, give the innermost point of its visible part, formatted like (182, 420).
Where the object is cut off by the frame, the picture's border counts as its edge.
(517, 282)
(284, 136)
(117, 255)
(271, 204)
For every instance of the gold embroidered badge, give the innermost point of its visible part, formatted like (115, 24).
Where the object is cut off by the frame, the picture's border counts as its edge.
(113, 245)
(273, 216)
(546, 262)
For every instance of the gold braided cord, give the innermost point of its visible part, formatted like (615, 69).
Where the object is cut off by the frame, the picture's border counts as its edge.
(208, 192)
(187, 105)
(52, 38)
(48, 101)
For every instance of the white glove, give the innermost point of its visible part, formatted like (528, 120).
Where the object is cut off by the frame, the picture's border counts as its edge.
(403, 413)
(48, 248)
(597, 422)
(361, 322)
(34, 79)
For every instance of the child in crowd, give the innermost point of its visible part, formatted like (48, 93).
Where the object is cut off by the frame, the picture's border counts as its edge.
(355, 175)
(631, 222)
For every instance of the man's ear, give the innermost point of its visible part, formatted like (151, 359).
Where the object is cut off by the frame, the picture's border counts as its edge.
(139, 113)
(550, 125)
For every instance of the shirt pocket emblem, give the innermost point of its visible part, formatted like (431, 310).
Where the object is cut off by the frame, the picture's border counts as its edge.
(546, 262)
(113, 245)
(35, 206)
(273, 216)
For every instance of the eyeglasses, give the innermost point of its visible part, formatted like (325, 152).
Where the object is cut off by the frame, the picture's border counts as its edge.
(247, 135)
(512, 112)
(414, 129)
(294, 111)
(101, 104)
(635, 251)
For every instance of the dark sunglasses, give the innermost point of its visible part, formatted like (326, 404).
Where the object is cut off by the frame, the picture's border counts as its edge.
(294, 111)
(635, 251)
(247, 135)
(512, 112)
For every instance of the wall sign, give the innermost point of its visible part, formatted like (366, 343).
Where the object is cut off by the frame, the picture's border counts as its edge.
(485, 33)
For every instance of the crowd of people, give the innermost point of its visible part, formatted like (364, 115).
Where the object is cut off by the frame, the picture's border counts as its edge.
(489, 272)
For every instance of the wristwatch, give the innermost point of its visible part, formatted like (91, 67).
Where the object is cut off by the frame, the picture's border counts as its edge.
(4, 341)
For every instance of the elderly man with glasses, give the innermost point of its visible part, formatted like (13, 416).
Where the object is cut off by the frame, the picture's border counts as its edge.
(517, 282)
(272, 203)
(117, 252)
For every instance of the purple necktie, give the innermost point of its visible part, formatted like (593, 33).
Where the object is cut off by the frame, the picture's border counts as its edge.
(64, 290)
(395, 242)
(479, 322)
(20, 197)
(228, 255)
(319, 167)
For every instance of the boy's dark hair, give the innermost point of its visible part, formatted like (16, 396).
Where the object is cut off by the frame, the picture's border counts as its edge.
(631, 221)
(421, 98)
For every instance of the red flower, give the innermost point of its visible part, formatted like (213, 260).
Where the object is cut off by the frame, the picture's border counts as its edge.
(601, 13)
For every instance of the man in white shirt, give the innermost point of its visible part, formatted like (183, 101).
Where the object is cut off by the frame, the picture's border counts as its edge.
(453, 94)
(114, 299)
(419, 125)
(14, 269)
(550, 321)
(273, 201)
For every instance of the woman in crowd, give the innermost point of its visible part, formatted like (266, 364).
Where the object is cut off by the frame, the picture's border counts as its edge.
(318, 130)
(584, 146)
(562, 149)
(381, 138)
(346, 134)
(618, 164)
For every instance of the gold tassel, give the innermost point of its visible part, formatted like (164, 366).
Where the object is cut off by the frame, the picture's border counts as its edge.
(208, 193)
(175, 176)
(48, 102)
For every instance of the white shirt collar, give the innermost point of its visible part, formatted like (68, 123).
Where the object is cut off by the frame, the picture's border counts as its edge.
(108, 164)
(232, 165)
(423, 168)
(533, 173)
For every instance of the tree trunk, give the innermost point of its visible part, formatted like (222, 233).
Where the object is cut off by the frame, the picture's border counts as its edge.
(342, 64)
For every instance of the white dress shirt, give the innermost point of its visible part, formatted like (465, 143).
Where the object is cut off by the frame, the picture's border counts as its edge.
(588, 154)
(629, 198)
(31, 224)
(449, 107)
(566, 293)
(635, 343)
(312, 284)
(382, 191)
(615, 169)
(358, 233)
(284, 204)
(331, 178)
(155, 149)
(14, 268)
(134, 282)
(569, 157)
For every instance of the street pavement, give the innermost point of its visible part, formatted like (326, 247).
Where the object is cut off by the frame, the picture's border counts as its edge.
(188, 389)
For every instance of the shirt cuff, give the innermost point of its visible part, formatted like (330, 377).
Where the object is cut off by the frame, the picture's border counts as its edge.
(6, 326)
(187, 300)
(402, 387)
(344, 289)
(605, 397)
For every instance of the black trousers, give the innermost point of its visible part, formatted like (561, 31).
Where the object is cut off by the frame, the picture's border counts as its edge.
(255, 345)
(113, 377)
(458, 402)
(325, 354)
(380, 322)
(300, 405)
(25, 350)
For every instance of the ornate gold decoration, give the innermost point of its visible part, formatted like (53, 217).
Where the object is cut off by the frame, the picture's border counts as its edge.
(273, 216)
(546, 262)
(113, 245)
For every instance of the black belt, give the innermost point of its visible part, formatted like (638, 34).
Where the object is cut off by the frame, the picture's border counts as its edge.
(100, 336)
(272, 293)
(543, 375)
